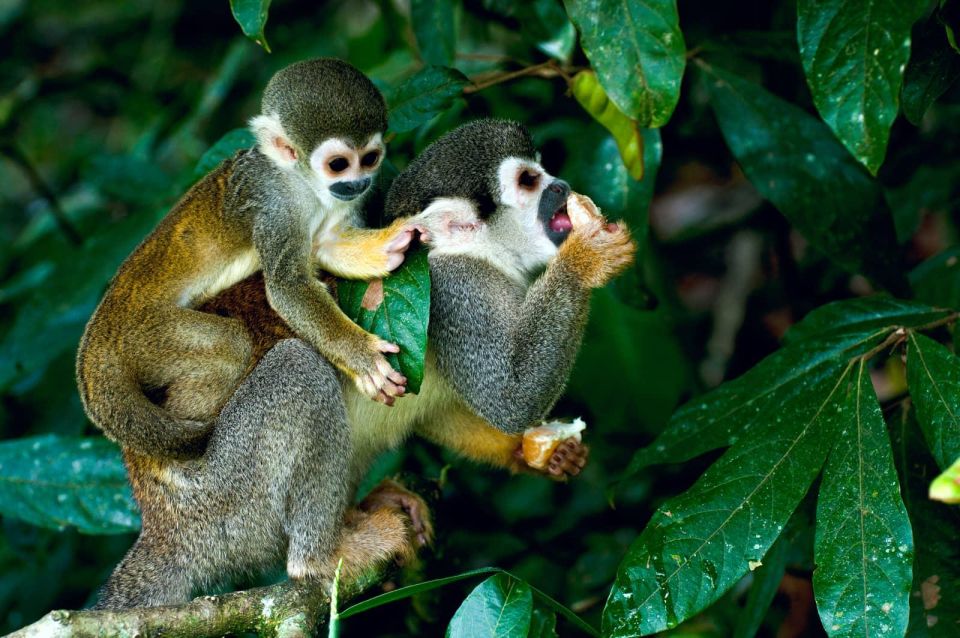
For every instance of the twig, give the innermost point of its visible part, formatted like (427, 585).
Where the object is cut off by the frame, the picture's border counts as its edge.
(549, 69)
(18, 157)
(284, 610)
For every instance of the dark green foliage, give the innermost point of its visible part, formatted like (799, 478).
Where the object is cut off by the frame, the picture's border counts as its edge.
(804, 457)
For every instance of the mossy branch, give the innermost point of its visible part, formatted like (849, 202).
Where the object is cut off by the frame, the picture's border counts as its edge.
(284, 610)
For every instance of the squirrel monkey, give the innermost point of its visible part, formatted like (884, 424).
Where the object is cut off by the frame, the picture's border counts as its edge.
(511, 272)
(283, 207)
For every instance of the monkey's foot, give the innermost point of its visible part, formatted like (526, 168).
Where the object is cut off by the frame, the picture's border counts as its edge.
(567, 460)
(390, 494)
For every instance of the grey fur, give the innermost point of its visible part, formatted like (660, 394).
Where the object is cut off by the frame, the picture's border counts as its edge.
(506, 349)
(462, 163)
(285, 430)
(354, 115)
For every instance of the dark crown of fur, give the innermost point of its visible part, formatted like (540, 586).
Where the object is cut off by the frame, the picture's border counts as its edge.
(323, 98)
(462, 163)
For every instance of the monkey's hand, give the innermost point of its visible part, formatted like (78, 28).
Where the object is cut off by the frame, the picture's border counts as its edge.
(392, 495)
(567, 460)
(372, 373)
(596, 249)
(405, 233)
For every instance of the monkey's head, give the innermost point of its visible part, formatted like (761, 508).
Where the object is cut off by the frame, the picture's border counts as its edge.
(490, 169)
(324, 119)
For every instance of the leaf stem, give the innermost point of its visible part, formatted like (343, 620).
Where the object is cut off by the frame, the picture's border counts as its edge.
(549, 69)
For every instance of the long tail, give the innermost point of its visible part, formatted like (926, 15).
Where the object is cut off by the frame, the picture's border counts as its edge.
(115, 402)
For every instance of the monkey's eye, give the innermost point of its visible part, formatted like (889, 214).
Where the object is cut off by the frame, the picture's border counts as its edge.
(339, 164)
(528, 180)
(370, 158)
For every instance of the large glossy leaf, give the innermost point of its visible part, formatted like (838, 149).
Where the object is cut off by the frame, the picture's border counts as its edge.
(832, 334)
(796, 163)
(933, 376)
(933, 67)
(433, 26)
(854, 53)
(588, 92)
(499, 607)
(638, 52)
(864, 315)
(934, 612)
(60, 482)
(702, 542)
(251, 15)
(426, 94)
(397, 309)
(864, 545)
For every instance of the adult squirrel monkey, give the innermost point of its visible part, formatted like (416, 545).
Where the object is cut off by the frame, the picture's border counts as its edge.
(512, 259)
(283, 207)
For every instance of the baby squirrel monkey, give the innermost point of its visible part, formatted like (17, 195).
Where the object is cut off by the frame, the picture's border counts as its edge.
(285, 206)
(511, 267)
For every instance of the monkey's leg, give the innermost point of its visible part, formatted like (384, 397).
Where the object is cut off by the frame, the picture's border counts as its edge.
(149, 575)
(203, 359)
(366, 253)
(282, 447)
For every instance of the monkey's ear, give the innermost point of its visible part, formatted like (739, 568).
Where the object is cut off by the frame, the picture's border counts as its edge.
(273, 141)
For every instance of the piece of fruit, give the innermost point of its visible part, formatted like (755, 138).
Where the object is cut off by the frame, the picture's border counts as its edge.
(541, 442)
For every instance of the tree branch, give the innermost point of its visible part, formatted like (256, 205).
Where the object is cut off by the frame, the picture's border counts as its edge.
(285, 610)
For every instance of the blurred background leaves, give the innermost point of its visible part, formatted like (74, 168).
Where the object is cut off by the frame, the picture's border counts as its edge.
(109, 111)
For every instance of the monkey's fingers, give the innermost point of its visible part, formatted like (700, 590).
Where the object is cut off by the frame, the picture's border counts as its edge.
(568, 459)
(386, 346)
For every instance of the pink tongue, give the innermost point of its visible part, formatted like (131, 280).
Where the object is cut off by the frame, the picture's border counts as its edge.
(560, 223)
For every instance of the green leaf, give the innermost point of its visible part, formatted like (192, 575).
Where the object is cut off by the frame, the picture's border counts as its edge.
(428, 93)
(413, 590)
(433, 26)
(864, 545)
(588, 92)
(251, 15)
(766, 582)
(933, 376)
(51, 321)
(543, 623)
(224, 148)
(398, 310)
(699, 544)
(796, 163)
(936, 565)
(937, 280)
(499, 607)
(863, 315)
(546, 24)
(933, 67)
(830, 335)
(58, 482)
(638, 52)
(854, 54)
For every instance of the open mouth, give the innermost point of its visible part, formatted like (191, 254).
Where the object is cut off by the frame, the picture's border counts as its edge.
(560, 221)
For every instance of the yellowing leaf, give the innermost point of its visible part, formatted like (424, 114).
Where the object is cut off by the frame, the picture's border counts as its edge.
(588, 92)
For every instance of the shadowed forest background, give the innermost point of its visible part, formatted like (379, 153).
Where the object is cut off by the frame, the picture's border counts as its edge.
(761, 199)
